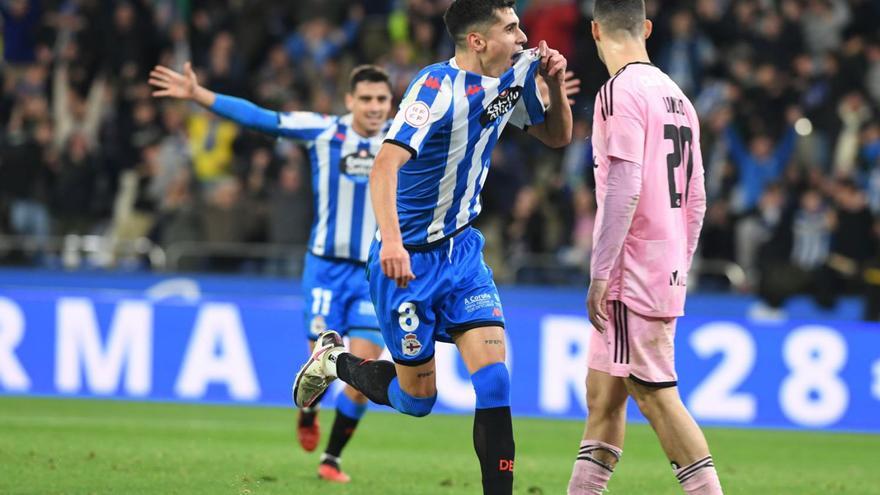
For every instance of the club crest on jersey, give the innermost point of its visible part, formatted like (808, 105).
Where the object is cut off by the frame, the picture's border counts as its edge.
(318, 325)
(357, 165)
(417, 114)
(502, 104)
(410, 345)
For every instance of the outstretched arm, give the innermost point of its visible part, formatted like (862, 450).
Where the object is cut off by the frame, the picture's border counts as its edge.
(172, 84)
(393, 257)
(785, 149)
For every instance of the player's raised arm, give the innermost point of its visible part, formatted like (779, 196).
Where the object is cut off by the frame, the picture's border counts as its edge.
(555, 130)
(304, 126)
(169, 83)
(383, 192)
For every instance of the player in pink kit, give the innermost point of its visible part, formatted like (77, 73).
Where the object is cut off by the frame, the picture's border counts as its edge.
(651, 201)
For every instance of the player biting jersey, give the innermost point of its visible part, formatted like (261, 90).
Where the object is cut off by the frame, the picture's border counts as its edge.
(427, 276)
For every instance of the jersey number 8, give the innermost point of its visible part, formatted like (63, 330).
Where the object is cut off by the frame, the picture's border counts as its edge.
(408, 319)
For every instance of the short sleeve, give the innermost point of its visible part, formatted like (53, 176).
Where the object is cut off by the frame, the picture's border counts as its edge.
(529, 110)
(422, 112)
(624, 124)
(303, 126)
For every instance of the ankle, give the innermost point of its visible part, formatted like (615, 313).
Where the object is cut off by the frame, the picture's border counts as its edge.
(331, 460)
(330, 362)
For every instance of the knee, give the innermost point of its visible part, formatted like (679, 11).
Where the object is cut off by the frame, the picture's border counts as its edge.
(409, 404)
(651, 402)
(418, 406)
(356, 396)
(492, 386)
(604, 409)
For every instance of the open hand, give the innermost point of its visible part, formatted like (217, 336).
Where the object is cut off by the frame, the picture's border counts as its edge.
(172, 84)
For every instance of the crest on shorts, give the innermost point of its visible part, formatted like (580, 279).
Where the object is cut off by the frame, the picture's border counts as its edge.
(410, 345)
(317, 325)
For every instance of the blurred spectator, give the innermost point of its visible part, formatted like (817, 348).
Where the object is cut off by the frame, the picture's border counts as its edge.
(553, 21)
(684, 56)
(804, 269)
(787, 92)
(759, 163)
(211, 146)
(20, 25)
(26, 176)
(75, 187)
(290, 208)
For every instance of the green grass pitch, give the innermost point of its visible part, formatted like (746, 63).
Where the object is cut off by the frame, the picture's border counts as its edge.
(66, 446)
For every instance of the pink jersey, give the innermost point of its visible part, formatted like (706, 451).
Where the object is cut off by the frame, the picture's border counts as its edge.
(642, 116)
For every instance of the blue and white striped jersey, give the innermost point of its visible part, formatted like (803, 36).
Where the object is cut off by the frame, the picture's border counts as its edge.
(344, 224)
(341, 160)
(450, 120)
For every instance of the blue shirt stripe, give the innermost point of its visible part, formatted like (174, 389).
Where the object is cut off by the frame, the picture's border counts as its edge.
(425, 183)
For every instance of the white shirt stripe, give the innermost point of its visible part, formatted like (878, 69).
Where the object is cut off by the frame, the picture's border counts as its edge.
(322, 145)
(345, 199)
(457, 149)
(438, 109)
(476, 170)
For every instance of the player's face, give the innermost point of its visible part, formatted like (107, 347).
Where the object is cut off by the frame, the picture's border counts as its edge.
(502, 41)
(369, 103)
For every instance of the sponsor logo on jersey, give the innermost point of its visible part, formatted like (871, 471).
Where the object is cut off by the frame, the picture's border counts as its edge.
(473, 89)
(410, 345)
(502, 104)
(357, 165)
(432, 83)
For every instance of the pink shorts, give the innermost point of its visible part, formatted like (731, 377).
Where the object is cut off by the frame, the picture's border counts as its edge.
(635, 346)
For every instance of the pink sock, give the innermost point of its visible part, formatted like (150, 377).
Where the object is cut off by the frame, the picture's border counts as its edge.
(590, 476)
(699, 478)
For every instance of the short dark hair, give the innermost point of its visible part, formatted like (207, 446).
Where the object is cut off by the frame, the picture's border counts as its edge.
(462, 15)
(367, 73)
(616, 15)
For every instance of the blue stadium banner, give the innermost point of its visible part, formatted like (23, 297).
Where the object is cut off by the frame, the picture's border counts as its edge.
(213, 339)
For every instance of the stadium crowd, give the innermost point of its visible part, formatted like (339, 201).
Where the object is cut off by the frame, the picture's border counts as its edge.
(788, 92)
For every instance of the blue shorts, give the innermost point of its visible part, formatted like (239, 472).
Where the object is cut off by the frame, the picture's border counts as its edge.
(337, 297)
(453, 292)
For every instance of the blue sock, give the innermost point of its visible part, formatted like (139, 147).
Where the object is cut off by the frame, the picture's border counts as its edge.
(407, 404)
(348, 407)
(493, 428)
(492, 385)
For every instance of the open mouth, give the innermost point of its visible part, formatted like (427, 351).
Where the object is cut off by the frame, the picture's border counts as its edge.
(517, 54)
